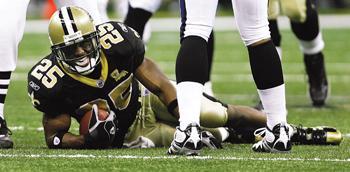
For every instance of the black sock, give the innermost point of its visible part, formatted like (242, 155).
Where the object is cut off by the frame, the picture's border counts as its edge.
(265, 65)
(275, 33)
(137, 19)
(192, 60)
(315, 67)
(210, 50)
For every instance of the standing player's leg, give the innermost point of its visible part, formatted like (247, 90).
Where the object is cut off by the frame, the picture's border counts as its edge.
(210, 49)
(102, 9)
(273, 13)
(276, 39)
(139, 13)
(275, 35)
(121, 8)
(10, 35)
(192, 71)
(311, 44)
(252, 22)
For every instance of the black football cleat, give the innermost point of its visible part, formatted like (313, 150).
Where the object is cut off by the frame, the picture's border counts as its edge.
(318, 84)
(210, 141)
(241, 135)
(5, 140)
(276, 140)
(187, 142)
(321, 135)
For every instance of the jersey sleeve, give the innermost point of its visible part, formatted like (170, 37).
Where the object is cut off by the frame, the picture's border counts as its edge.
(139, 47)
(46, 100)
(130, 44)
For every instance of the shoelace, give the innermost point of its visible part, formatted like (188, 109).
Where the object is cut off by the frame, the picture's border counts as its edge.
(260, 132)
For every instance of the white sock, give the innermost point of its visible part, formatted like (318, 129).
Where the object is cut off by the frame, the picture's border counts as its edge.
(224, 133)
(274, 102)
(2, 111)
(102, 8)
(189, 96)
(279, 51)
(312, 47)
(208, 88)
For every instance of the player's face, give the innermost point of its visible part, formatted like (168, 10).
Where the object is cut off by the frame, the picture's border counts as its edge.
(79, 54)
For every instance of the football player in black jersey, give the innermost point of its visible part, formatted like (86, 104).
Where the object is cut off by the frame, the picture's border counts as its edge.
(91, 65)
(100, 67)
(154, 126)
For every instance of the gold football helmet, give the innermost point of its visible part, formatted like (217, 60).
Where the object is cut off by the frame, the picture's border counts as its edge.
(74, 39)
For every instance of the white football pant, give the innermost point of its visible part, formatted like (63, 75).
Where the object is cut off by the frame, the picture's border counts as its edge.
(250, 15)
(12, 17)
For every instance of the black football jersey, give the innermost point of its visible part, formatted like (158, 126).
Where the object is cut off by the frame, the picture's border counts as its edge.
(54, 90)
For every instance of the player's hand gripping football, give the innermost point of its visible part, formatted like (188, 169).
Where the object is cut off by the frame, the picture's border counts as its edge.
(101, 131)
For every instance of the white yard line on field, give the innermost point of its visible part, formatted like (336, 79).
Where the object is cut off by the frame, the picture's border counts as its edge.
(22, 128)
(90, 156)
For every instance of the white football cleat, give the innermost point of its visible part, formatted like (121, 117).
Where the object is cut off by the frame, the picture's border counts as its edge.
(275, 141)
(187, 142)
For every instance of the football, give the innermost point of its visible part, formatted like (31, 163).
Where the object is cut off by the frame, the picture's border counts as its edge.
(85, 121)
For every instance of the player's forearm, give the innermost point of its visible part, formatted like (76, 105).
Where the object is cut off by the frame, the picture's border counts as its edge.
(68, 141)
(156, 81)
(168, 97)
(167, 93)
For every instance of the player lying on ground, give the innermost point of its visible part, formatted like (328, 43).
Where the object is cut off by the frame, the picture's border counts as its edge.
(102, 70)
(154, 125)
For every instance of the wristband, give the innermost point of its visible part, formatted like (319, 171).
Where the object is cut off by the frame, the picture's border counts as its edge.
(57, 140)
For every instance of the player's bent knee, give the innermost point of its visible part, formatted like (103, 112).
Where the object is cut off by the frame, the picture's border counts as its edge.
(213, 114)
(294, 9)
(197, 30)
(274, 9)
(251, 36)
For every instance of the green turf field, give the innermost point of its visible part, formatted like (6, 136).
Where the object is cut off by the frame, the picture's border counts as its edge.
(232, 83)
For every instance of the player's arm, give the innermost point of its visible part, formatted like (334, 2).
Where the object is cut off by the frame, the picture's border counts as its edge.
(149, 74)
(57, 135)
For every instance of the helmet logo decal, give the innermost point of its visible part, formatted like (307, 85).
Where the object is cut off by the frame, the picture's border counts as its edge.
(67, 21)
